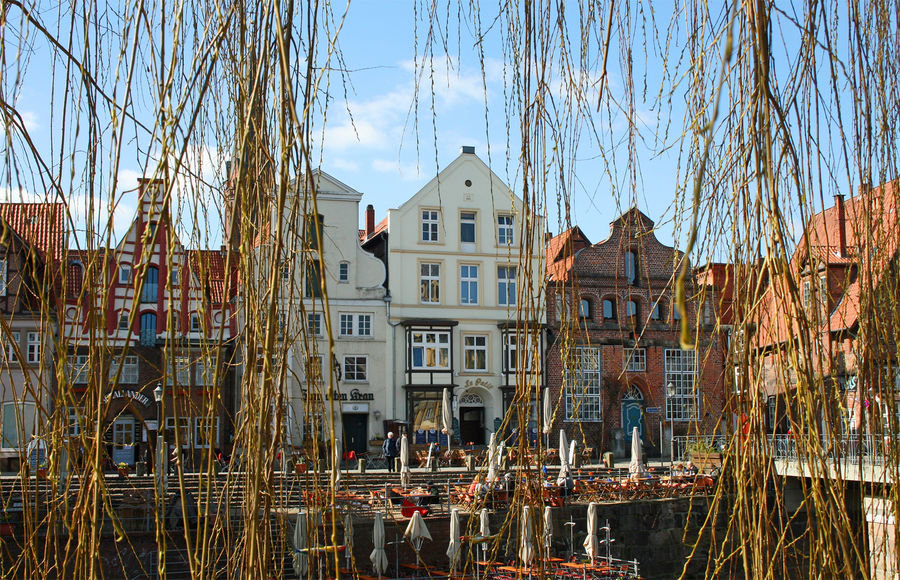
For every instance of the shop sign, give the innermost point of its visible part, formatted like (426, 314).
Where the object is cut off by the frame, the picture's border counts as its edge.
(651, 410)
(356, 395)
(479, 382)
(129, 394)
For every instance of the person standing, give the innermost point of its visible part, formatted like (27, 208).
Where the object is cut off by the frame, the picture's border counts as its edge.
(389, 448)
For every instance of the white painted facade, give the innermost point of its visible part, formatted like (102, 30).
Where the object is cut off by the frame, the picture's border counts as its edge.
(355, 317)
(456, 280)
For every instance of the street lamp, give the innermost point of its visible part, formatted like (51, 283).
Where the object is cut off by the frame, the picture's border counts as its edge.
(670, 392)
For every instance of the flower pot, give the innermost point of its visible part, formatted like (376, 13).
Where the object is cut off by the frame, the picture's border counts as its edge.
(123, 472)
(300, 468)
(41, 472)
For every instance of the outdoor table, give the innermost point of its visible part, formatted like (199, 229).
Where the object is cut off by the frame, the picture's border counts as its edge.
(516, 570)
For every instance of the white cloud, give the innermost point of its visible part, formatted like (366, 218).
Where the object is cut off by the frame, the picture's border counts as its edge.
(407, 171)
(19, 195)
(30, 119)
(343, 164)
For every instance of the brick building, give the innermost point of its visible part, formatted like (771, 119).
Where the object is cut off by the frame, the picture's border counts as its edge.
(146, 313)
(31, 247)
(614, 361)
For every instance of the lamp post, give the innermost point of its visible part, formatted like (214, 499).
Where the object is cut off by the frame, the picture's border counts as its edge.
(159, 464)
(670, 392)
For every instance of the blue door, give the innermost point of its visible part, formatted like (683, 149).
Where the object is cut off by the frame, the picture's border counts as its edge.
(633, 412)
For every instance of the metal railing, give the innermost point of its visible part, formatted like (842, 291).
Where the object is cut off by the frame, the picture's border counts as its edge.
(869, 449)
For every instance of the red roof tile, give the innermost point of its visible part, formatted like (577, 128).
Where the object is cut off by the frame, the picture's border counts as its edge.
(561, 250)
(38, 224)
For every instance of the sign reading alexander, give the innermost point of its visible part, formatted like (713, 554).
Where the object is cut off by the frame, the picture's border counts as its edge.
(129, 394)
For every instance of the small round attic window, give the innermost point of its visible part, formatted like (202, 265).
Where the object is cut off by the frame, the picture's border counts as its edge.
(468, 183)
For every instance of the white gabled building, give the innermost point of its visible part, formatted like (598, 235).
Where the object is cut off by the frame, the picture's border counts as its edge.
(462, 298)
(353, 282)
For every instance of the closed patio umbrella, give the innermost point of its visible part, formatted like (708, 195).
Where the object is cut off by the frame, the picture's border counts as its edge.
(484, 530)
(454, 545)
(591, 541)
(526, 544)
(563, 458)
(548, 528)
(572, 451)
(378, 555)
(348, 537)
(417, 532)
(492, 459)
(636, 467)
(404, 461)
(548, 413)
(447, 418)
(301, 560)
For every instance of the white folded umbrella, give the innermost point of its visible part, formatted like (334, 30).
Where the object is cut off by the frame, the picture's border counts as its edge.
(378, 555)
(591, 541)
(455, 544)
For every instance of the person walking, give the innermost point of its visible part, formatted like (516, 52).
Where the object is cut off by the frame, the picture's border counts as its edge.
(389, 448)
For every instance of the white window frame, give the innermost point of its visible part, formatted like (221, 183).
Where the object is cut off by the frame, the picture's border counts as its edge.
(468, 221)
(201, 424)
(4, 275)
(183, 366)
(344, 272)
(33, 345)
(681, 372)
(434, 341)
(129, 371)
(79, 372)
(468, 284)
(430, 282)
(506, 285)
(173, 275)
(353, 368)
(124, 274)
(636, 360)
(73, 422)
(312, 361)
(477, 345)
(583, 384)
(505, 233)
(195, 322)
(431, 226)
(11, 346)
(355, 324)
(186, 428)
(123, 320)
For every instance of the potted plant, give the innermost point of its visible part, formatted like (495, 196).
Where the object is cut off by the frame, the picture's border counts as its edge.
(300, 466)
(41, 471)
(122, 468)
(704, 456)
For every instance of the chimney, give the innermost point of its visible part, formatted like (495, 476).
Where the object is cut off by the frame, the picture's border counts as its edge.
(370, 219)
(470, 149)
(841, 223)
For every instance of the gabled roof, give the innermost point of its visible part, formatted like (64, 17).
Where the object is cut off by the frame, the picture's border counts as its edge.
(38, 224)
(211, 264)
(561, 250)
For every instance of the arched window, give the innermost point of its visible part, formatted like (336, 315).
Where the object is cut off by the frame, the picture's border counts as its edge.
(633, 393)
(148, 329)
(631, 309)
(150, 290)
(584, 308)
(657, 313)
(609, 309)
(631, 268)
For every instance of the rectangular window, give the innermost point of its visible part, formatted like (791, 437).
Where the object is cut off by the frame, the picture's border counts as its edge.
(430, 350)
(429, 283)
(313, 286)
(3, 276)
(513, 343)
(468, 285)
(804, 295)
(656, 313)
(73, 424)
(123, 321)
(129, 370)
(314, 229)
(430, 224)
(34, 348)
(17, 424)
(344, 272)
(355, 324)
(504, 230)
(195, 323)
(12, 345)
(609, 309)
(681, 404)
(183, 370)
(173, 275)
(475, 353)
(506, 285)
(314, 323)
(355, 369)
(467, 230)
(206, 370)
(823, 298)
(582, 381)
(124, 274)
(206, 431)
(79, 371)
(631, 267)
(635, 360)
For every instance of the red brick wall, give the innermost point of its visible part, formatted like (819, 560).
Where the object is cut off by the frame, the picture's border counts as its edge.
(599, 272)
